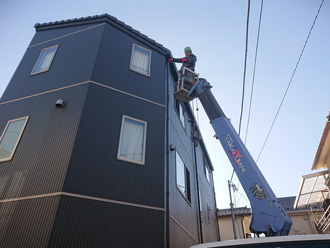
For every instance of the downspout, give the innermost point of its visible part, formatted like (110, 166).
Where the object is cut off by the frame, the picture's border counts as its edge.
(167, 163)
(197, 185)
(243, 228)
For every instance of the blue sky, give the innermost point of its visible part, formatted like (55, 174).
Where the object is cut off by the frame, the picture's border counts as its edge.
(216, 32)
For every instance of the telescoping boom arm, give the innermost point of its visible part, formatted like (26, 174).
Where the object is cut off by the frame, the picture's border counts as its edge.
(268, 215)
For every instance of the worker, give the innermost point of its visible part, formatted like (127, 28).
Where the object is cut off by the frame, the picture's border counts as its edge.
(189, 62)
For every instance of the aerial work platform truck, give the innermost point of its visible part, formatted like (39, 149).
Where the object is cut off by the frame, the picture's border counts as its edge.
(268, 215)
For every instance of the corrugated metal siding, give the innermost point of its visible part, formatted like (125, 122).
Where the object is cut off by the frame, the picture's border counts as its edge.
(73, 63)
(94, 169)
(49, 34)
(43, 153)
(113, 62)
(27, 223)
(180, 210)
(184, 213)
(209, 224)
(89, 223)
(179, 237)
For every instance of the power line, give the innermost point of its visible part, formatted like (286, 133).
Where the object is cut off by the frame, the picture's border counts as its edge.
(244, 74)
(241, 196)
(254, 72)
(294, 71)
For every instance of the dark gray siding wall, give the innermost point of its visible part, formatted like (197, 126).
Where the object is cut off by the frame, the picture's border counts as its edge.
(27, 223)
(60, 31)
(73, 62)
(38, 167)
(113, 63)
(209, 218)
(43, 153)
(94, 169)
(184, 225)
(89, 223)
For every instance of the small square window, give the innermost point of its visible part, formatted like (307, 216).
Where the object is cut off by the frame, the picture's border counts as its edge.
(140, 60)
(132, 140)
(182, 177)
(45, 60)
(10, 138)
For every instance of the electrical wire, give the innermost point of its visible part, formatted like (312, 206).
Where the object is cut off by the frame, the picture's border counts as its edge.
(254, 72)
(241, 196)
(287, 89)
(244, 74)
(245, 59)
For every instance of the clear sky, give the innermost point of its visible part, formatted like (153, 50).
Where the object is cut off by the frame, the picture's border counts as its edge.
(216, 31)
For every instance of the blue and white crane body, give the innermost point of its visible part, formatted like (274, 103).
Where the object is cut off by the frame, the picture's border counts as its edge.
(268, 215)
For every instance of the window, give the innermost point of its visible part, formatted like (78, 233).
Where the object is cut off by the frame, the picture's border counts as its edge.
(10, 138)
(132, 140)
(140, 60)
(207, 171)
(45, 60)
(182, 177)
(181, 112)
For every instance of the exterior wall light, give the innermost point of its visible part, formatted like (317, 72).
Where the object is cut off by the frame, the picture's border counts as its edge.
(60, 103)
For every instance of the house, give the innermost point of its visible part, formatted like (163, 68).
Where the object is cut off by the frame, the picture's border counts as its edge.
(314, 188)
(95, 151)
(242, 215)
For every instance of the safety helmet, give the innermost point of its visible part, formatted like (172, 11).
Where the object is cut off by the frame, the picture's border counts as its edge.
(187, 49)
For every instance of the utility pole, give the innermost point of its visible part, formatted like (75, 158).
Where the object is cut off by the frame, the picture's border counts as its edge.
(232, 210)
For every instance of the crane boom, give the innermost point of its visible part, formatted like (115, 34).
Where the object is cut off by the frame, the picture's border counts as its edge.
(268, 215)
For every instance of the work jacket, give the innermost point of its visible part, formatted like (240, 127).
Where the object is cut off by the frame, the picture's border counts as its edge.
(190, 63)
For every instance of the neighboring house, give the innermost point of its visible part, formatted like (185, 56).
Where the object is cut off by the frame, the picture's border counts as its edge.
(314, 188)
(242, 222)
(95, 150)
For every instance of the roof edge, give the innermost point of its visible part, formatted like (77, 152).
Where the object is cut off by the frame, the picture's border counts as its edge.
(324, 138)
(99, 18)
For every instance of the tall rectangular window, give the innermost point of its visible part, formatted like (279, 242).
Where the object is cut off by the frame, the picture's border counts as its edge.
(132, 140)
(140, 60)
(181, 112)
(182, 177)
(45, 60)
(10, 138)
(207, 171)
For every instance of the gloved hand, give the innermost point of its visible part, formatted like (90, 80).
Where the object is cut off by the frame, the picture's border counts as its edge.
(171, 60)
(183, 59)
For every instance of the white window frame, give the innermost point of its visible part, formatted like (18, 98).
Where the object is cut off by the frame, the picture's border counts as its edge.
(18, 139)
(41, 57)
(136, 68)
(119, 156)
